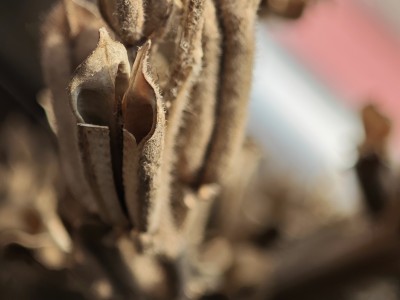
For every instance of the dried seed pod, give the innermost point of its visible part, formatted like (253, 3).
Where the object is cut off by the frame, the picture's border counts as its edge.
(125, 17)
(92, 89)
(237, 20)
(69, 34)
(96, 91)
(144, 127)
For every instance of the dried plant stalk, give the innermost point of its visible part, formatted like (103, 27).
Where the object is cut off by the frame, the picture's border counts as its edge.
(186, 68)
(187, 64)
(195, 135)
(237, 20)
(198, 119)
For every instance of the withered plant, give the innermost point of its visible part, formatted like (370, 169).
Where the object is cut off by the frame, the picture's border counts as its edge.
(156, 192)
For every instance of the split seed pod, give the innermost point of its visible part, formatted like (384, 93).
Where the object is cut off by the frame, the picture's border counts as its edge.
(144, 127)
(121, 124)
(94, 101)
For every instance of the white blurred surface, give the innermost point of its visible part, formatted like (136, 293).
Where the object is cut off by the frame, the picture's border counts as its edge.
(302, 125)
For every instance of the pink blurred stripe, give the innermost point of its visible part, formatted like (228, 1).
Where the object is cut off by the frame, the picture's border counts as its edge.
(352, 50)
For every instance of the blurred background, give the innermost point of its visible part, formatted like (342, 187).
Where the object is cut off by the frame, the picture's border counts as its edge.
(312, 76)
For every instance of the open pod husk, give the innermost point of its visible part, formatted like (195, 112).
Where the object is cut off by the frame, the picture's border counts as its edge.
(94, 101)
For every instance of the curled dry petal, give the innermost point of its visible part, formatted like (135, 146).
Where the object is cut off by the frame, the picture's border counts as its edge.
(144, 127)
(92, 88)
(139, 102)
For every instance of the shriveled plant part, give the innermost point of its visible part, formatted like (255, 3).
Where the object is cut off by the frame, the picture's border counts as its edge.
(160, 193)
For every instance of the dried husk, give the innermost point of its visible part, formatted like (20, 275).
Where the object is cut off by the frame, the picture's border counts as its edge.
(94, 100)
(144, 129)
(96, 155)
